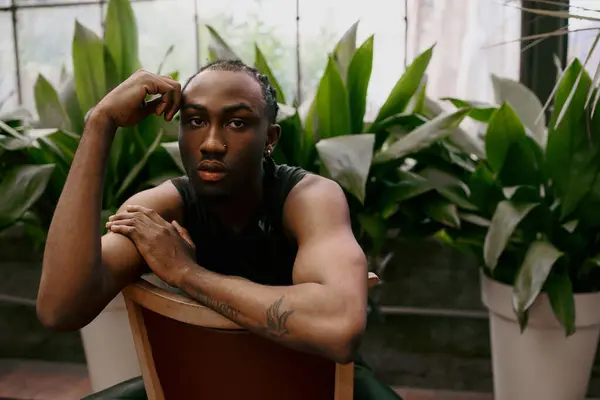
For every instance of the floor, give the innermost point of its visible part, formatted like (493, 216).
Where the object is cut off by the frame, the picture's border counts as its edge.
(35, 380)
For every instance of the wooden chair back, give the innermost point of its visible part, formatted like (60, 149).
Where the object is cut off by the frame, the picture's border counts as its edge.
(189, 351)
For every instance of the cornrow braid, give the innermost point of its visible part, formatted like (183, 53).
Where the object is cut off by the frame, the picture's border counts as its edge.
(235, 65)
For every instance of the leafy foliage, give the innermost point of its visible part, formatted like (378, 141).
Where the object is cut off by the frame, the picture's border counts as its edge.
(539, 196)
(35, 161)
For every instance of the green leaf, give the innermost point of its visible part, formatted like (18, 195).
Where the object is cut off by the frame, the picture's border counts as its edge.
(560, 292)
(88, 67)
(121, 37)
(261, 64)
(68, 98)
(423, 137)
(173, 149)
(509, 152)
(506, 218)
(20, 188)
(137, 168)
(405, 88)
(290, 144)
(443, 212)
(51, 113)
(359, 74)
(347, 160)
(539, 259)
(449, 186)
(481, 112)
(526, 104)
(395, 193)
(218, 48)
(475, 220)
(332, 104)
(571, 161)
(344, 50)
(375, 228)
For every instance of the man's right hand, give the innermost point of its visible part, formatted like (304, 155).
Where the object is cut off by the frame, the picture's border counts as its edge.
(125, 105)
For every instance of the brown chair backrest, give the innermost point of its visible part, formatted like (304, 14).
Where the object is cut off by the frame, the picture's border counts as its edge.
(188, 351)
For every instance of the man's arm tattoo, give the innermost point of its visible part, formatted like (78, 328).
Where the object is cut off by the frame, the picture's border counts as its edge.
(277, 319)
(222, 308)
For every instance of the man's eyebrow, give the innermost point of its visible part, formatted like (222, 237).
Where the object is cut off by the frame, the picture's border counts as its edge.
(227, 109)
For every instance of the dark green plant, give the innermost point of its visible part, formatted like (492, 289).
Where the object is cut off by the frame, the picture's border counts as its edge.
(35, 161)
(537, 226)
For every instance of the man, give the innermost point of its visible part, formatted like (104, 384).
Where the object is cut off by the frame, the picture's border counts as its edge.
(274, 250)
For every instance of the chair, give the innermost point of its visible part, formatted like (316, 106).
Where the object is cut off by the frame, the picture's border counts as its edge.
(185, 349)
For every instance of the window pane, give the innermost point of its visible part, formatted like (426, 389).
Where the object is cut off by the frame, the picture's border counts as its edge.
(269, 23)
(582, 34)
(8, 74)
(51, 2)
(162, 24)
(322, 24)
(474, 39)
(45, 42)
(4, 3)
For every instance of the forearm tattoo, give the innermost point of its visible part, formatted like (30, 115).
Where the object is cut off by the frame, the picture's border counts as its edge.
(222, 308)
(277, 319)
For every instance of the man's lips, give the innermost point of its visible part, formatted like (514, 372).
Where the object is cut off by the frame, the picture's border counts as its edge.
(211, 170)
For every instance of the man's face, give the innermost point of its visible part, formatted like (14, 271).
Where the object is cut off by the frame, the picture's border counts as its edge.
(224, 132)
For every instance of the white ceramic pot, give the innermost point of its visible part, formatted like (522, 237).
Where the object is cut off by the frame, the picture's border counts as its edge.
(541, 363)
(109, 347)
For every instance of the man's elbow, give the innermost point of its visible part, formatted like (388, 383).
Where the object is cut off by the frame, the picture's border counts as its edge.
(54, 318)
(347, 340)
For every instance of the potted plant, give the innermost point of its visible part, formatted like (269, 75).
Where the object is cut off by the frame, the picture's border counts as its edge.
(536, 231)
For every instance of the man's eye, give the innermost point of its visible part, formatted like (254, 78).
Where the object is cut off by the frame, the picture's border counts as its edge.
(236, 124)
(196, 122)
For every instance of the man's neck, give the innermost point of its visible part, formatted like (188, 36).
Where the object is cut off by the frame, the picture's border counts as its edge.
(236, 211)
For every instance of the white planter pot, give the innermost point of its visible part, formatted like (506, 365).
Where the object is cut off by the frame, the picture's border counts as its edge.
(542, 363)
(109, 348)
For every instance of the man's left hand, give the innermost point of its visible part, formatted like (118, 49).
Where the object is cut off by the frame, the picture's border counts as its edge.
(166, 247)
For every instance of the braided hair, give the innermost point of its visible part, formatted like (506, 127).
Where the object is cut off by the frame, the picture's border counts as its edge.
(235, 65)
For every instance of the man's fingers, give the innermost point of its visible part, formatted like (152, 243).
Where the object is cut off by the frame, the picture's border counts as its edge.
(125, 230)
(153, 215)
(176, 100)
(183, 233)
(169, 90)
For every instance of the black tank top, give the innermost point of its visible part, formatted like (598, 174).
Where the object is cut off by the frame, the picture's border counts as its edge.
(262, 252)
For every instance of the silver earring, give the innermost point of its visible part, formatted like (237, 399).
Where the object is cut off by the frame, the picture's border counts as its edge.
(224, 146)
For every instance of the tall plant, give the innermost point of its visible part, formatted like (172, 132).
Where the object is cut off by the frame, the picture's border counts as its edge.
(37, 161)
(537, 226)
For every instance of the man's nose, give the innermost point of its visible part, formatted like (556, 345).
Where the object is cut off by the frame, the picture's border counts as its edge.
(214, 143)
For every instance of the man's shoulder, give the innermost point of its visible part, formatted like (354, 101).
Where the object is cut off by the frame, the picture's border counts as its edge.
(316, 191)
(164, 198)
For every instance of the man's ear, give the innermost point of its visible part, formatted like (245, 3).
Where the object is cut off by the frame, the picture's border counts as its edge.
(273, 135)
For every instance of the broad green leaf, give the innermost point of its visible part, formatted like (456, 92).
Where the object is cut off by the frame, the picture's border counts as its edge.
(560, 292)
(50, 111)
(405, 88)
(397, 124)
(332, 104)
(475, 220)
(344, 50)
(20, 188)
(393, 194)
(359, 74)
(539, 259)
(111, 71)
(375, 228)
(68, 98)
(137, 168)
(219, 49)
(506, 218)
(423, 137)
(450, 187)
(88, 67)
(261, 64)
(442, 211)
(347, 160)
(173, 149)
(290, 144)
(481, 112)
(509, 152)
(570, 157)
(526, 104)
(416, 105)
(121, 37)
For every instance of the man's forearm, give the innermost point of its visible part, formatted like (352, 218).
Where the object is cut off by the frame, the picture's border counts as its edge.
(73, 246)
(307, 317)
